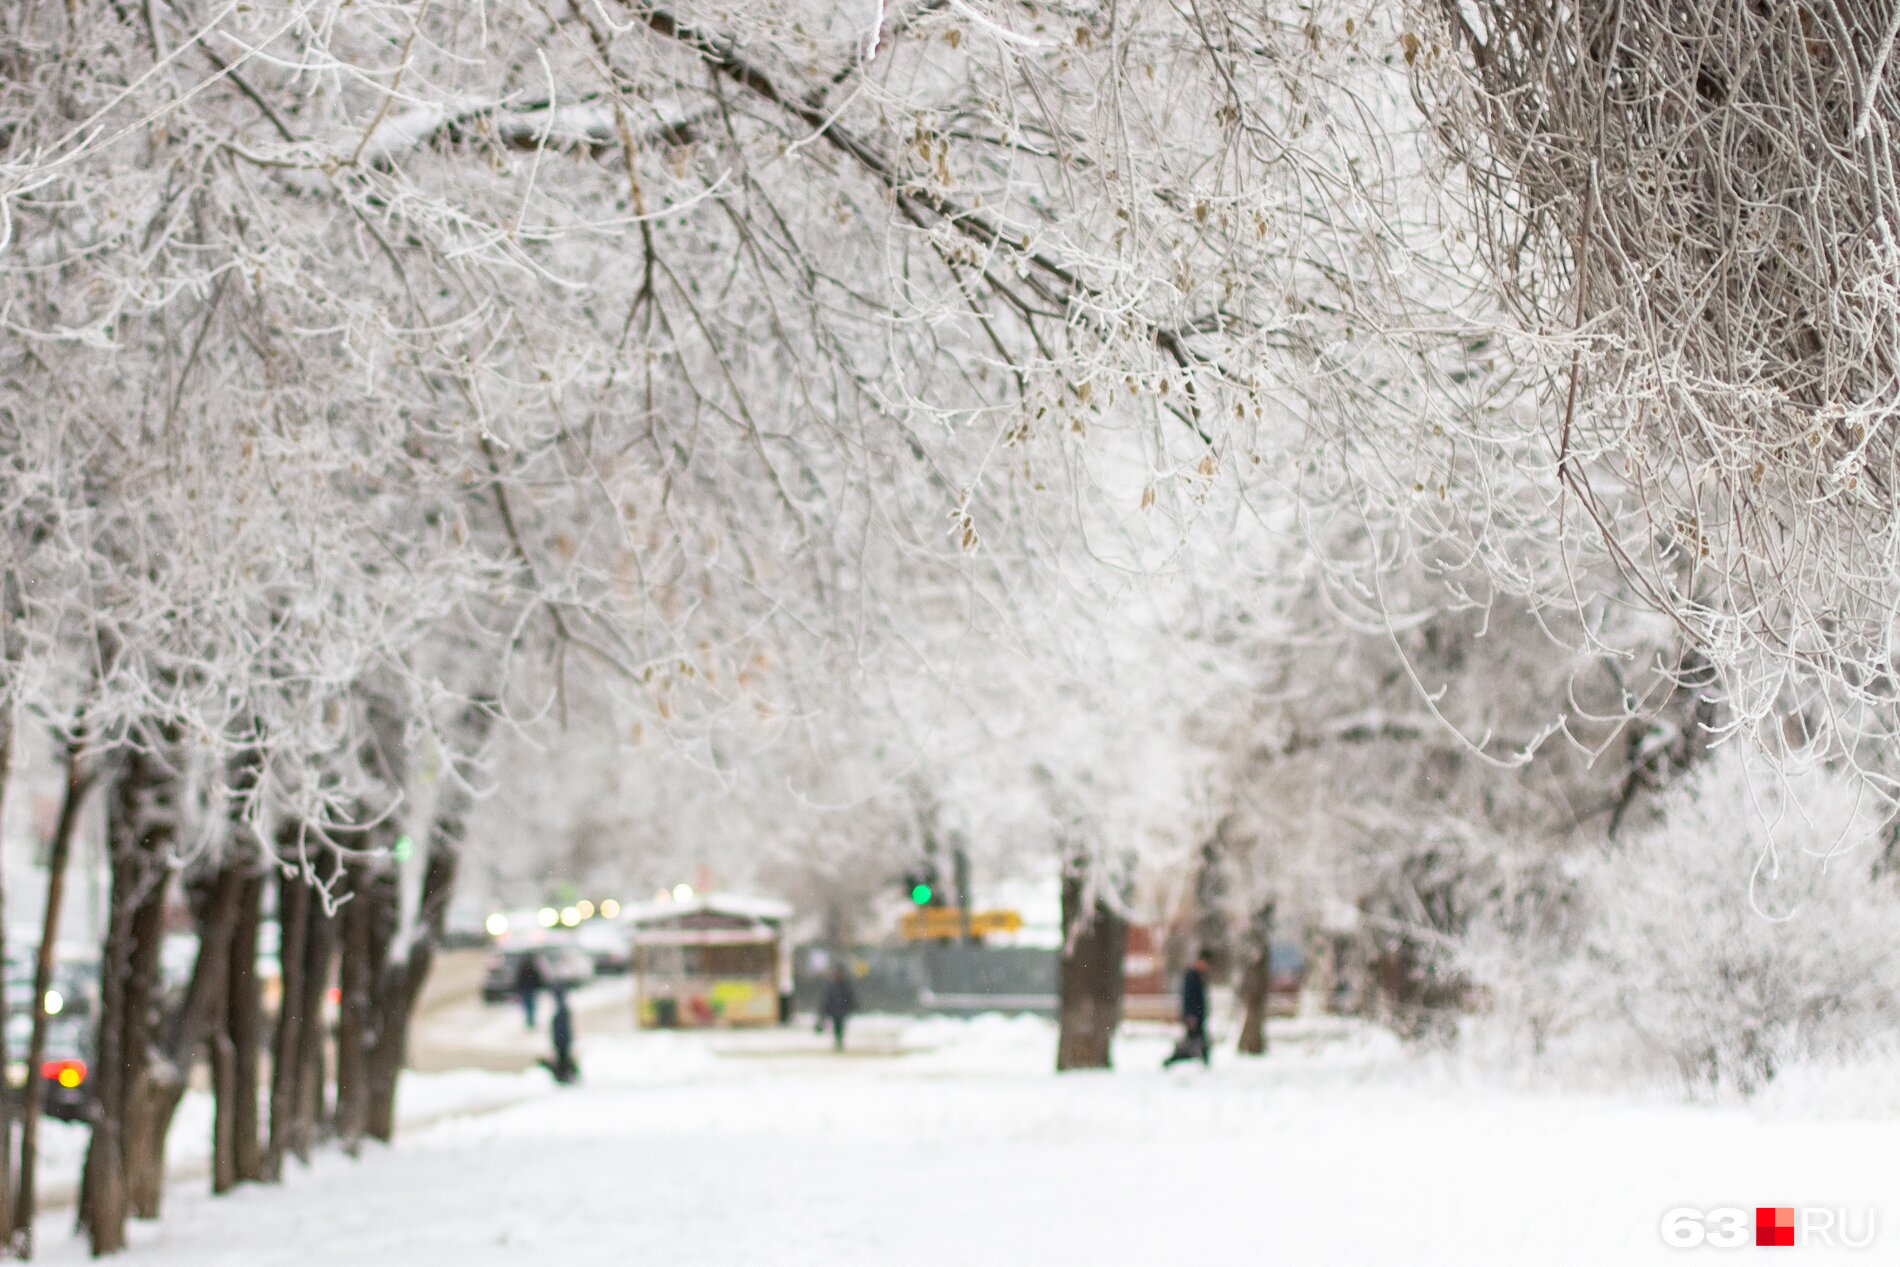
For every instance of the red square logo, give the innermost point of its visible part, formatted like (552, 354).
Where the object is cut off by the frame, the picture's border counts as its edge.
(1774, 1225)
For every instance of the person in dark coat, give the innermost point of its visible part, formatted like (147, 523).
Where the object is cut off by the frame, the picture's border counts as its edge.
(561, 1033)
(529, 982)
(839, 1003)
(1193, 1014)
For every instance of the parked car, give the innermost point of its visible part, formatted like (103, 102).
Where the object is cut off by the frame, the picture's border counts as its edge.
(609, 944)
(73, 991)
(561, 964)
(463, 929)
(65, 1066)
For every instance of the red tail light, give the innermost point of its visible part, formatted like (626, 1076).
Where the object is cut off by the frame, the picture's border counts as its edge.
(70, 1074)
(336, 996)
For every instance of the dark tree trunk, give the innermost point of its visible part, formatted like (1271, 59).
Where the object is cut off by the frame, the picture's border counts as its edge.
(383, 1060)
(385, 1030)
(405, 986)
(246, 1023)
(139, 831)
(196, 1020)
(25, 1207)
(294, 902)
(199, 1021)
(311, 1102)
(377, 996)
(1255, 984)
(233, 1055)
(1094, 946)
(297, 1097)
(6, 1101)
(223, 1060)
(403, 971)
(355, 1026)
(144, 1125)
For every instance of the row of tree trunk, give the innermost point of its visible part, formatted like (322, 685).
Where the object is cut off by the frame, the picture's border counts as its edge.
(328, 1076)
(322, 1083)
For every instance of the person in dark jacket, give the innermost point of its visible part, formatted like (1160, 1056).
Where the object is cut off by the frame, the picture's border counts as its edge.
(529, 982)
(839, 1003)
(1193, 1014)
(561, 1033)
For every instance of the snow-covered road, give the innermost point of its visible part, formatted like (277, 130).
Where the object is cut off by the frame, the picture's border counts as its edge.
(951, 1143)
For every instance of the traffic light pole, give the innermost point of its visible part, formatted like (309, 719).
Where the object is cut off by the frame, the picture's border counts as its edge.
(960, 872)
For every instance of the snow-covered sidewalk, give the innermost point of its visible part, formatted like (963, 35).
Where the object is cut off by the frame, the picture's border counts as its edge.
(950, 1142)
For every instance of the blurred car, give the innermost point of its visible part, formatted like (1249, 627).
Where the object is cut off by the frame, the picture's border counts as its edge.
(463, 929)
(73, 991)
(562, 964)
(608, 944)
(65, 1065)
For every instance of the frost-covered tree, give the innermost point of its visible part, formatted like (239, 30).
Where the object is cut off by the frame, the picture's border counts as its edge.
(1744, 932)
(1686, 215)
(855, 405)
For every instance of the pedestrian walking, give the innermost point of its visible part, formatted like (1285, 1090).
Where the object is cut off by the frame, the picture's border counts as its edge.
(529, 982)
(1194, 1043)
(561, 1034)
(839, 1003)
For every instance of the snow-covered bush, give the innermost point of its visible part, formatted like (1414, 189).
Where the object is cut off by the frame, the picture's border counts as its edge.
(1744, 932)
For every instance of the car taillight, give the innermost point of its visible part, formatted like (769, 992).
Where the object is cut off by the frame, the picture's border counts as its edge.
(70, 1074)
(336, 996)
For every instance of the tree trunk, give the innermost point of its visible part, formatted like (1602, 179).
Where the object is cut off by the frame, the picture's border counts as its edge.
(148, 1104)
(196, 1021)
(354, 1024)
(199, 1021)
(139, 830)
(294, 902)
(223, 1132)
(102, 1204)
(1094, 945)
(310, 1105)
(297, 1064)
(392, 1048)
(25, 1207)
(6, 1101)
(1256, 984)
(382, 1064)
(406, 969)
(247, 1034)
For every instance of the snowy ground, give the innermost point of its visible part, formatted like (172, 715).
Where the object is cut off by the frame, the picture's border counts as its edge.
(950, 1142)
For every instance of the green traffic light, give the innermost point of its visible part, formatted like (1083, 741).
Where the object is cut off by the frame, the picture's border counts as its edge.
(921, 895)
